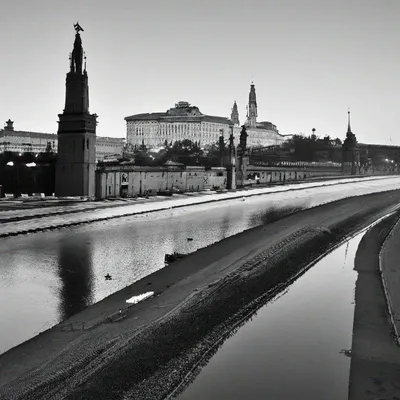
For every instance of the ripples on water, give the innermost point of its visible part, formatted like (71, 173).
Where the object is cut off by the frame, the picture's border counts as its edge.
(47, 277)
(292, 347)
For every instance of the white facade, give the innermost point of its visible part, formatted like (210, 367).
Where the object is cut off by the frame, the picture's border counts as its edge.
(36, 142)
(106, 146)
(179, 123)
(154, 134)
(258, 137)
(187, 122)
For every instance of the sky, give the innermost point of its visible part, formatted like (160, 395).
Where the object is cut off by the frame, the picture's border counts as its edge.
(310, 61)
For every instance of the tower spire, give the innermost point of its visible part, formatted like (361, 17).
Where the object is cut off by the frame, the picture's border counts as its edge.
(77, 89)
(348, 121)
(252, 107)
(235, 114)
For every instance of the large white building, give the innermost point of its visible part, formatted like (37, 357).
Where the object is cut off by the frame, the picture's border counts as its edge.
(184, 121)
(37, 142)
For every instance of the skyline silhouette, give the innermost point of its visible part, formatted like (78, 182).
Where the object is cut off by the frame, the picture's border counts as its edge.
(310, 61)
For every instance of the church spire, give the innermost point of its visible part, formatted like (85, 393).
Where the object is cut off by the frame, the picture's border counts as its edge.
(235, 114)
(252, 107)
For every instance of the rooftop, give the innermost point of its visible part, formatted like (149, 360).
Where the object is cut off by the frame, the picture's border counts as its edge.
(182, 110)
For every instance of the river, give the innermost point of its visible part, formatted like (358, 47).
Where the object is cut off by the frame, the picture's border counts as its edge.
(292, 347)
(47, 277)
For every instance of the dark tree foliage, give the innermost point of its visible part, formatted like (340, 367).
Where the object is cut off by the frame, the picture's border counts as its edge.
(185, 152)
(312, 148)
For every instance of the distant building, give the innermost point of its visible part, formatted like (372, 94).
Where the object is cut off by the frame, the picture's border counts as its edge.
(260, 134)
(37, 142)
(184, 121)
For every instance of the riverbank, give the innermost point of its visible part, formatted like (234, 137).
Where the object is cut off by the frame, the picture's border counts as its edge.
(21, 222)
(101, 353)
(375, 357)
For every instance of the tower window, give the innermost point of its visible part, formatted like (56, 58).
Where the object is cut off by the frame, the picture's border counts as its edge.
(87, 144)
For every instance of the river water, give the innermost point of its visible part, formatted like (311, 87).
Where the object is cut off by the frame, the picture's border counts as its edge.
(47, 277)
(292, 348)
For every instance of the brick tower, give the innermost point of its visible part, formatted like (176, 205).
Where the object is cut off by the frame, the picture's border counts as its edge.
(76, 163)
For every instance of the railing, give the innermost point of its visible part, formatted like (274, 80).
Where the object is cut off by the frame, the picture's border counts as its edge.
(296, 164)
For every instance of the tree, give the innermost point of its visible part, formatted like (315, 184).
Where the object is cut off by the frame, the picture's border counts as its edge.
(309, 148)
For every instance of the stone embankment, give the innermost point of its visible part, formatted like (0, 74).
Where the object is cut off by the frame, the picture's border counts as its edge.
(197, 299)
(16, 222)
(375, 354)
(390, 269)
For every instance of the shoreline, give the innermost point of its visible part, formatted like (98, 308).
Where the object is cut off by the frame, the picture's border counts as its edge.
(72, 356)
(375, 355)
(39, 223)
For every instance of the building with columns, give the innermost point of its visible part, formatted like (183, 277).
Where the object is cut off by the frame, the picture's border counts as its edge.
(183, 121)
(260, 134)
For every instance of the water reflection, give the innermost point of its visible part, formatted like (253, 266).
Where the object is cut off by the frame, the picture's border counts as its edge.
(75, 270)
(47, 276)
(276, 212)
(291, 347)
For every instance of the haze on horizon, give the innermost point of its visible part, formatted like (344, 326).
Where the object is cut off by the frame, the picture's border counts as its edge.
(310, 60)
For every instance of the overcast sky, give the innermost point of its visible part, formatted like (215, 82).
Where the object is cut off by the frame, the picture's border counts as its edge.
(310, 60)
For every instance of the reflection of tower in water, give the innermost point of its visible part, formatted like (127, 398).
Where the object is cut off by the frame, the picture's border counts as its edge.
(75, 271)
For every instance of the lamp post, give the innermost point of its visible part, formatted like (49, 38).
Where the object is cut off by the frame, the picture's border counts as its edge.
(17, 193)
(32, 165)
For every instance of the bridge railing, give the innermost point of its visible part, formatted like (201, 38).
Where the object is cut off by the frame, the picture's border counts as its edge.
(296, 164)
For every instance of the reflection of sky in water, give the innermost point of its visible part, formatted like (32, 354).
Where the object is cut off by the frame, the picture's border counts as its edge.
(291, 348)
(47, 276)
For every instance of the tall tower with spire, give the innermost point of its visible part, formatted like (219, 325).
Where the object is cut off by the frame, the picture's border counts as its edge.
(76, 163)
(348, 123)
(252, 108)
(351, 153)
(235, 114)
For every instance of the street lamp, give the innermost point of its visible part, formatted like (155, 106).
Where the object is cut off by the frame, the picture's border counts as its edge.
(11, 164)
(31, 165)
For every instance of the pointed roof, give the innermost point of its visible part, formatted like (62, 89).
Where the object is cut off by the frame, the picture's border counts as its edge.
(77, 52)
(235, 114)
(348, 122)
(252, 94)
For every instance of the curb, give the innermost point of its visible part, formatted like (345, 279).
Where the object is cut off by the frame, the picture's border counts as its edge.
(384, 280)
(241, 194)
